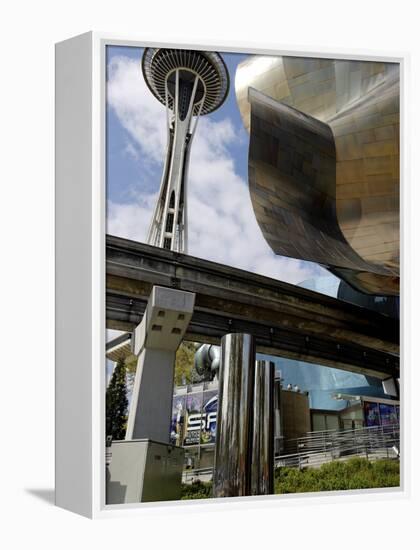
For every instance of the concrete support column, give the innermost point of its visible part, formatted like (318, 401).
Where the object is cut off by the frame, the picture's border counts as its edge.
(155, 341)
(232, 476)
(262, 463)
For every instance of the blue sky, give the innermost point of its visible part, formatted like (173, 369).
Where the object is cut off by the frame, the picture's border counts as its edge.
(123, 170)
(222, 225)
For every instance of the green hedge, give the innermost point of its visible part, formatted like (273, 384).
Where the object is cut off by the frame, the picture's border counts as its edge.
(355, 473)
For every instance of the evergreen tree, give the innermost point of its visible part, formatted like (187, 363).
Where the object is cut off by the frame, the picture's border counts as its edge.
(117, 403)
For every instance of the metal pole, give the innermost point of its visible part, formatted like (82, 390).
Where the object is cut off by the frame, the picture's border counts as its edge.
(262, 468)
(232, 475)
(278, 419)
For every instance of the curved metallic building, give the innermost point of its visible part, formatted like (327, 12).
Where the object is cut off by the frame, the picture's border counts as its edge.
(324, 163)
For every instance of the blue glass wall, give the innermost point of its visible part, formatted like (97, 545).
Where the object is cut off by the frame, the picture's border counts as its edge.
(323, 382)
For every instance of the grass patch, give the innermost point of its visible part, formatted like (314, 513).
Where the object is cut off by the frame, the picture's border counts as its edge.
(355, 473)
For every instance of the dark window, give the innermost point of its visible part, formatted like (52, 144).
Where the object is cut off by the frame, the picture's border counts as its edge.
(172, 200)
(169, 223)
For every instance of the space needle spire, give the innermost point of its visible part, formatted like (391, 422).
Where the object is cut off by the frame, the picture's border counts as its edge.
(190, 84)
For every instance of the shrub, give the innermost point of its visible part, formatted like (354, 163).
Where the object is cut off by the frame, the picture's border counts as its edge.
(196, 489)
(356, 473)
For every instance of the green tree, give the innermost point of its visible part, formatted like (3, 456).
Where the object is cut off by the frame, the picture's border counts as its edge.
(117, 403)
(184, 363)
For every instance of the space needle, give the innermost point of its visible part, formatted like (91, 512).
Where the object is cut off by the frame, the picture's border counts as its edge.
(190, 84)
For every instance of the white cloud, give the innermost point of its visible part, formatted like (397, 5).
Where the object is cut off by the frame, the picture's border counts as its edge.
(136, 108)
(131, 151)
(222, 225)
(131, 220)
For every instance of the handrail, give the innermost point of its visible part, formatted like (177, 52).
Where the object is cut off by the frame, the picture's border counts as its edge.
(316, 448)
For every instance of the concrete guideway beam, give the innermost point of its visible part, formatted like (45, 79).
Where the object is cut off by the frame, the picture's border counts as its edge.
(286, 320)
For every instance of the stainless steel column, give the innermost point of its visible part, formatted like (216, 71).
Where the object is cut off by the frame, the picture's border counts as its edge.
(278, 419)
(262, 469)
(232, 475)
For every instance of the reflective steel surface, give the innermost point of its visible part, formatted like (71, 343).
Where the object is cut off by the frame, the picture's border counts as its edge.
(324, 162)
(232, 475)
(262, 464)
(278, 424)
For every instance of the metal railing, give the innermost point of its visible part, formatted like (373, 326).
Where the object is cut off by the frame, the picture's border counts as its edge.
(202, 474)
(317, 448)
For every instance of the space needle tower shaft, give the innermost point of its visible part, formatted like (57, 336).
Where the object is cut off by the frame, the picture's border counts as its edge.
(189, 84)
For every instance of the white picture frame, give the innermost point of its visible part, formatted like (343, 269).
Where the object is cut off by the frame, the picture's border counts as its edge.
(80, 272)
